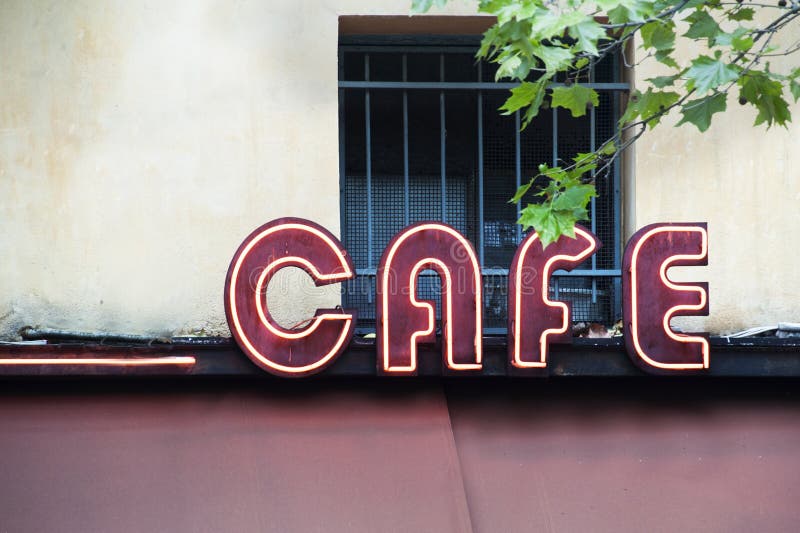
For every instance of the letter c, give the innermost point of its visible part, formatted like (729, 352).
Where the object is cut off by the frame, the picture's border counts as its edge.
(281, 243)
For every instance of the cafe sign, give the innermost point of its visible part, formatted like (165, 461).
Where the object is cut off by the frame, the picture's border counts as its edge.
(650, 298)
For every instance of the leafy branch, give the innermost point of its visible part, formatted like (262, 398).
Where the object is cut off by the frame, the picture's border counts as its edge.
(536, 42)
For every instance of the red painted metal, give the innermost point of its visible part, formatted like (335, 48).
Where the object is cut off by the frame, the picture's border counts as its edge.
(321, 455)
(281, 243)
(650, 297)
(239, 457)
(403, 323)
(534, 320)
(655, 456)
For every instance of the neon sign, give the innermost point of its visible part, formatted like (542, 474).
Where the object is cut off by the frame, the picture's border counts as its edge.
(278, 244)
(651, 298)
(403, 321)
(529, 305)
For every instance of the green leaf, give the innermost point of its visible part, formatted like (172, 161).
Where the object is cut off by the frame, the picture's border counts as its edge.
(520, 192)
(575, 98)
(552, 219)
(509, 67)
(665, 58)
(608, 148)
(585, 157)
(547, 23)
(556, 173)
(773, 109)
(564, 222)
(534, 216)
(700, 111)
(691, 4)
(648, 106)
(527, 94)
(658, 35)
(607, 5)
(423, 6)
(586, 34)
(536, 103)
(739, 39)
(660, 82)
(743, 44)
(702, 25)
(620, 12)
(522, 95)
(767, 96)
(576, 173)
(541, 218)
(574, 199)
(744, 13)
(707, 73)
(554, 58)
(489, 43)
(794, 87)
(504, 10)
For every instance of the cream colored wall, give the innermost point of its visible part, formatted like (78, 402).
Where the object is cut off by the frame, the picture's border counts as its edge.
(140, 142)
(745, 182)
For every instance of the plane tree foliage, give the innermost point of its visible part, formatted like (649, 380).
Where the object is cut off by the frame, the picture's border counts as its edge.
(727, 48)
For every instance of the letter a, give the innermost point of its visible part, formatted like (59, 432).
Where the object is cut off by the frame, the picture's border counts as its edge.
(403, 321)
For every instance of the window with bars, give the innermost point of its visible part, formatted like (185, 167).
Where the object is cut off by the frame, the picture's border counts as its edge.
(421, 138)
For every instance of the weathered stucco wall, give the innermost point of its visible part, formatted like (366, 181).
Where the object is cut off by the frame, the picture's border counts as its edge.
(745, 182)
(140, 142)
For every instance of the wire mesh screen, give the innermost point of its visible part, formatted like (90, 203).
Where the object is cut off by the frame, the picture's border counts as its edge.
(412, 154)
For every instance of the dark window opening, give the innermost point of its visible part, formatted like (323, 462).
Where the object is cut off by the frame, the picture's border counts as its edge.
(421, 138)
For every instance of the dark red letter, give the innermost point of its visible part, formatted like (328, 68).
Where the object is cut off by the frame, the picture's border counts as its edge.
(651, 299)
(275, 245)
(403, 321)
(533, 319)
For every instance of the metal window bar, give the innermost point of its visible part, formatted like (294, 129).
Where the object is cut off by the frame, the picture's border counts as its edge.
(406, 201)
(442, 142)
(368, 140)
(342, 146)
(517, 169)
(464, 85)
(617, 205)
(555, 284)
(608, 278)
(479, 114)
(593, 209)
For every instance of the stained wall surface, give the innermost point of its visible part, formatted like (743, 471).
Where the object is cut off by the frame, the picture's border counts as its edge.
(141, 142)
(745, 182)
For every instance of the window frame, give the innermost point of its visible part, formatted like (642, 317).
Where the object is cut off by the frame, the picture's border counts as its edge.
(443, 44)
